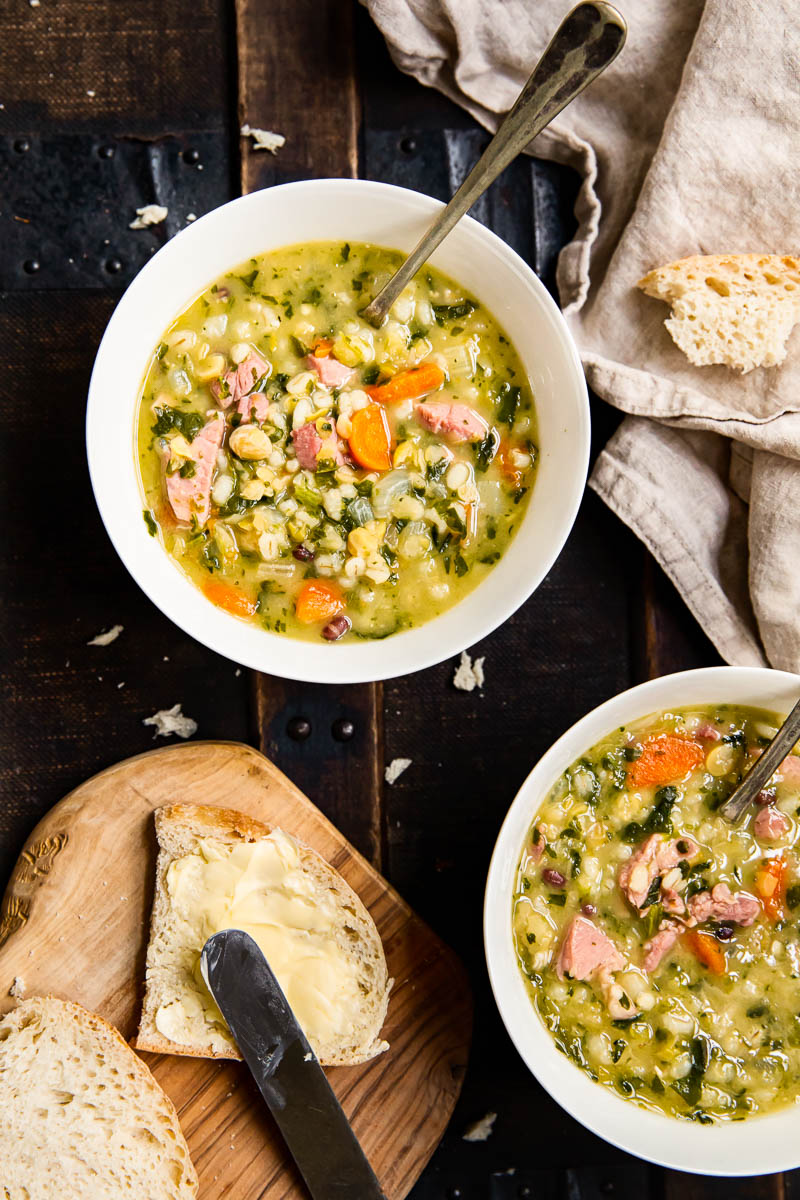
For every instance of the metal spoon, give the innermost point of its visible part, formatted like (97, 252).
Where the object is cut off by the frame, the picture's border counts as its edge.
(764, 768)
(588, 39)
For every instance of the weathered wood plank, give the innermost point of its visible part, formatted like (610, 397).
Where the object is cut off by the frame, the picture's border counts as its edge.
(297, 77)
(329, 741)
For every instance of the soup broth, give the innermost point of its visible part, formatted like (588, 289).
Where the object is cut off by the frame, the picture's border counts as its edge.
(316, 476)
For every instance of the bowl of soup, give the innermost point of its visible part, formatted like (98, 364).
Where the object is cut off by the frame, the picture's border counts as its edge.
(644, 952)
(314, 497)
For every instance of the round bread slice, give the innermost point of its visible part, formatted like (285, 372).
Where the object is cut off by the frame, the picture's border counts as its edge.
(171, 976)
(82, 1117)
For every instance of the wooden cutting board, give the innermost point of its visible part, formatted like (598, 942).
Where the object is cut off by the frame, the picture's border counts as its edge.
(74, 923)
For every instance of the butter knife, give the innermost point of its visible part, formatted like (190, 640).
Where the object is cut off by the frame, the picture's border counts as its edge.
(289, 1077)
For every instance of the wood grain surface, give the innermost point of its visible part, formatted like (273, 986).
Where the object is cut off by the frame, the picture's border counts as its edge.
(74, 924)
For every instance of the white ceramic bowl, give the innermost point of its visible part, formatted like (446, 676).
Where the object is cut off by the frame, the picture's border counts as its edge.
(342, 210)
(756, 1146)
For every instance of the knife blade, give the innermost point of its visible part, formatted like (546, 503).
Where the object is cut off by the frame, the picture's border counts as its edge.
(286, 1070)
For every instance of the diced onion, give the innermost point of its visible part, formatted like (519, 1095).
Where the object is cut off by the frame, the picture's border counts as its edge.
(388, 489)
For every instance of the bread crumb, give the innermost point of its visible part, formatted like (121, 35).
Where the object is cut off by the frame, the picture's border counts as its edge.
(17, 989)
(263, 139)
(150, 214)
(469, 674)
(91, 93)
(479, 1131)
(395, 769)
(238, 672)
(106, 638)
(191, 216)
(171, 720)
(309, 1057)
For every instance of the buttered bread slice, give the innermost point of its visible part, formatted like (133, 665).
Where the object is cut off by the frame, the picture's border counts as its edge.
(219, 869)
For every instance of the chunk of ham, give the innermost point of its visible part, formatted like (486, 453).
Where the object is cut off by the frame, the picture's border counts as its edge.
(790, 769)
(456, 422)
(721, 904)
(770, 823)
(331, 372)
(307, 446)
(191, 496)
(255, 406)
(655, 856)
(586, 950)
(659, 946)
(240, 381)
(707, 732)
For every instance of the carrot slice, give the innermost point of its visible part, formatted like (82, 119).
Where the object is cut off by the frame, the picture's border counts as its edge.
(371, 438)
(230, 598)
(318, 601)
(663, 759)
(708, 950)
(408, 385)
(322, 348)
(512, 473)
(771, 886)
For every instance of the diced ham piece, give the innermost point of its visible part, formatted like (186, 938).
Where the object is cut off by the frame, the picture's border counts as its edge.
(721, 904)
(770, 823)
(654, 857)
(240, 380)
(456, 422)
(191, 496)
(659, 946)
(790, 769)
(586, 949)
(307, 446)
(707, 732)
(255, 405)
(331, 372)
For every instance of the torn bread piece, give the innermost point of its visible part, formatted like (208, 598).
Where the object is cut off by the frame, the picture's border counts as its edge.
(736, 310)
(219, 869)
(83, 1118)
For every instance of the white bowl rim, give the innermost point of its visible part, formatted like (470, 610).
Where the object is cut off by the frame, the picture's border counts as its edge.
(758, 1145)
(366, 661)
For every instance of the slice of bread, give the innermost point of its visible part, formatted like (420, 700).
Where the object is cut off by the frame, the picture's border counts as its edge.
(731, 309)
(81, 1117)
(322, 943)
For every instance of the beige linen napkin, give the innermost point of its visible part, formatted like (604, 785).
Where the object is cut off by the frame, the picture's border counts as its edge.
(688, 144)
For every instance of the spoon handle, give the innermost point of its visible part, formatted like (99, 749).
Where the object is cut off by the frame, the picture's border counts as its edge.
(764, 767)
(588, 39)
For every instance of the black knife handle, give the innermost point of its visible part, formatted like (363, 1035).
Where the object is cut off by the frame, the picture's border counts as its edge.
(285, 1068)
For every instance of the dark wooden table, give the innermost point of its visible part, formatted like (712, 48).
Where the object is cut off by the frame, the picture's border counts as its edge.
(105, 107)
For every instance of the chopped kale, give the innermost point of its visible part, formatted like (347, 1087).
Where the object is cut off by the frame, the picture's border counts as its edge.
(150, 522)
(658, 820)
(187, 423)
(486, 449)
(453, 312)
(507, 401)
